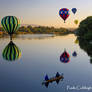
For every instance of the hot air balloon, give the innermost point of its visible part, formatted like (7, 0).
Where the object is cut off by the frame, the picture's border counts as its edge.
(64, 13)
(76, 22)
(11, 52)
(10, 24)
(65, 57)
(74, 10)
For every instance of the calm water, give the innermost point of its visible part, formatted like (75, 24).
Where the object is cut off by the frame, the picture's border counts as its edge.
(40, 55)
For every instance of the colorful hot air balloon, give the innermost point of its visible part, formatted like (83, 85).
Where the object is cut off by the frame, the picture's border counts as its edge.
(76, 22)
(74, 10)
(64, 13)
(11, 52)
(10, 24)
(65, 57)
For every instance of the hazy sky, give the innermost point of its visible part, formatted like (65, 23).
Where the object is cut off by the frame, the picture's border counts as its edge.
(45, 12)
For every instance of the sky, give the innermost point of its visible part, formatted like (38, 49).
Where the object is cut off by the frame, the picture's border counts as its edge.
(46, 12)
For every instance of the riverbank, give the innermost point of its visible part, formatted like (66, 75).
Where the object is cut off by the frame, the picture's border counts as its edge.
(38, 30)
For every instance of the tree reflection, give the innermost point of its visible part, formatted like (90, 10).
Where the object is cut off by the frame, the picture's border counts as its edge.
(86, 46)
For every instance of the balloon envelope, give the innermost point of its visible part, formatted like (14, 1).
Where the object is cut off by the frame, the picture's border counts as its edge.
(64, 13)
(11, 52)
(10, 24)
(74, 10)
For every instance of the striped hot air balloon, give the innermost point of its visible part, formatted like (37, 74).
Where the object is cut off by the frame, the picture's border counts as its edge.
(11, 52)
(10, 24)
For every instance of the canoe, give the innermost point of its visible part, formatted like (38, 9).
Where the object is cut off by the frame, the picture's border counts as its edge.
(53, 79)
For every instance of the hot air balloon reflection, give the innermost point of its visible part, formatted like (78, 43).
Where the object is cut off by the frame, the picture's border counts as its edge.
(76, 41)
(65, 57)
(74, 10)
(10, 24)
(64, 13)
(76, 22)
(11, 52)
(74, 54)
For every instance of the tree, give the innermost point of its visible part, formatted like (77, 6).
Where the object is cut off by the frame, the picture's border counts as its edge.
(85, 27)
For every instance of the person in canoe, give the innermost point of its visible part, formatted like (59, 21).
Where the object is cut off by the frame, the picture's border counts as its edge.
(57, 78)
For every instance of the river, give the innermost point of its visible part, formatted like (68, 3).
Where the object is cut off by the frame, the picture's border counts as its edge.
(40, 55)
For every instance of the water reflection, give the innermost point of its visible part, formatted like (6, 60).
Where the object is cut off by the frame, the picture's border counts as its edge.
(35, 36)
(65, 57)
(57, 78)
(86, 46)
(31, 36)
(74, 54)
(42, 56)
(11, 52)
(76, 41)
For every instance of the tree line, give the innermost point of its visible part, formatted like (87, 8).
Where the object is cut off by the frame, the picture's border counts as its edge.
(85, 29)
(39, 30)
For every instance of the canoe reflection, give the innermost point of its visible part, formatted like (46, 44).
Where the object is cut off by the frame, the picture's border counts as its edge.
(57, 78)
(11, 52)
